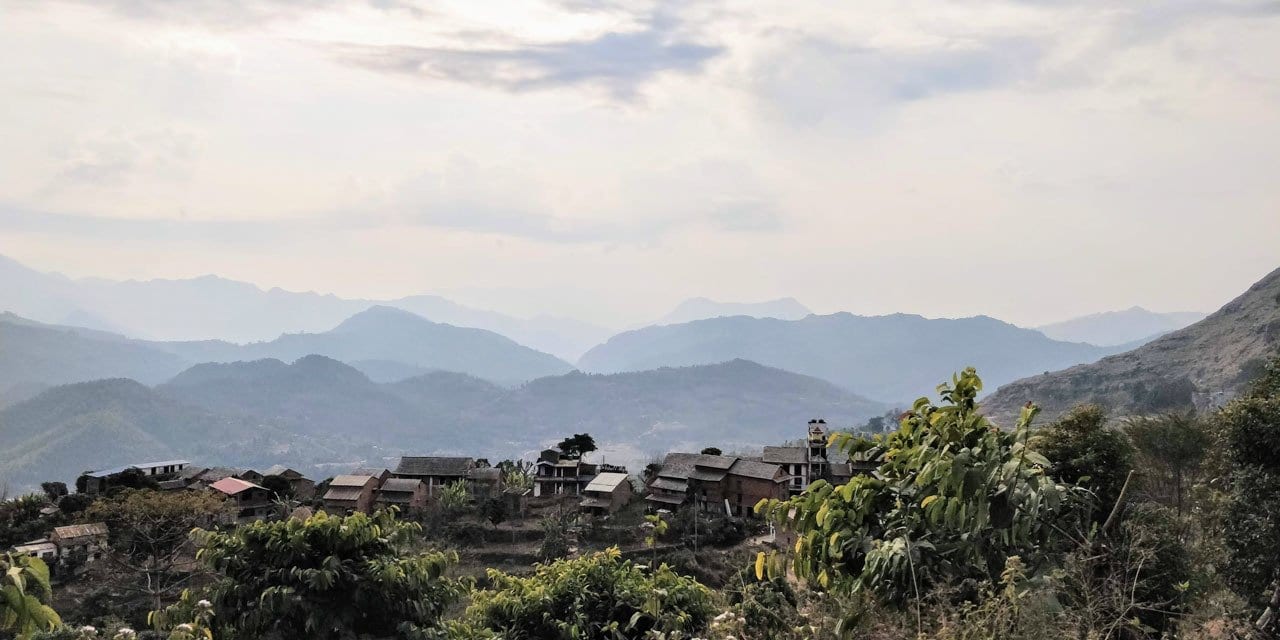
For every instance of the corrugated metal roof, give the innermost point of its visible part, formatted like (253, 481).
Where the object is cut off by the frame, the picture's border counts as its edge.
(281, 470)
(681, 465)
(434, 466)
(233, 486)
(606, 482)
(599, 503)
(141, 465)
(348, 480)
(80, 530)
(343, 493)
(658, 497)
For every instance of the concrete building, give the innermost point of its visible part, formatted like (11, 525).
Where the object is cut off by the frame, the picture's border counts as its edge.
(606, 494)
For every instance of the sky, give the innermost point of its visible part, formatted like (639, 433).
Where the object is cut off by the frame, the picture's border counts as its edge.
(1031, 160)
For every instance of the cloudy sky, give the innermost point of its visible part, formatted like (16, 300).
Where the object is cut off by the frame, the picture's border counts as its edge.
(1029, 160)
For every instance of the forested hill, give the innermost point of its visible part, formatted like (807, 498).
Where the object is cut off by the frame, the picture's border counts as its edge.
(893, 358)
(1205, 364)
(318, 410)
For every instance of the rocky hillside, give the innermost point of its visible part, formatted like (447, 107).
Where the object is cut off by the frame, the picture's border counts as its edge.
(1200, 365)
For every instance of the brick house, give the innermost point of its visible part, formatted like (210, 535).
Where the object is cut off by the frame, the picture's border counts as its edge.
(409, 494)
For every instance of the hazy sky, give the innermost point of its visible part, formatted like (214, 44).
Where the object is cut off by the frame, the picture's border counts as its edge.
(1029, 160)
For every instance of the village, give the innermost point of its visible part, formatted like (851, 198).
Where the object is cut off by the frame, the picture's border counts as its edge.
(512, 514)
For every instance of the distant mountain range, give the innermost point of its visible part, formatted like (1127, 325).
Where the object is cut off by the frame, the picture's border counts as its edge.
(894, 358)
(210, 307)
(317, 413)
(383, 338)
(1203, 364)
(1114, 328)
(703, 308)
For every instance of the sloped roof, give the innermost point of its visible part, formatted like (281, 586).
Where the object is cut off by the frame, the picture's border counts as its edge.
(233, 486)
(36, 546)
(665, 499)
(349, 480)
(669, 484)
(785, 455)
(400, 485)
(682, 465)
(140, 465)
(281, 470)
(488, 474)
(606, 482)
(434, 466)
(80, 530)
(753, 469)
(343, 493)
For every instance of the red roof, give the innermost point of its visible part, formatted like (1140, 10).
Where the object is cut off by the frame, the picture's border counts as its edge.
(232, 486)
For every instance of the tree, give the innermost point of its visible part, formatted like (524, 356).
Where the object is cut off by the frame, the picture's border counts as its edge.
(953, 498)
(150, 534)
(1173, 444)
(1251, 429)
(24, 595)
(454, 497)
(712, 451)
(577, 445)
(1083, 451)
(516, 474)
(323, 578)
(600, 596)
(54, 490)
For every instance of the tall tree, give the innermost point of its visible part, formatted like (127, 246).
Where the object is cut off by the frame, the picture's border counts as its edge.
(150, 539)
(577, 444)
(1251, 426)
(1173, 445)
(1083, 451)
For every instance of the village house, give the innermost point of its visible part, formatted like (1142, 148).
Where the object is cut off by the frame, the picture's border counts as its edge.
(484, 483)
(606, 494)
(715, 484)
(42, 549)
(251, 476)
(809, 462)
(250, 501)
(303, 488)
(80, 540)
(409, 494)
(435, 471)
(351, 493)
(558, 474)
(100, 481)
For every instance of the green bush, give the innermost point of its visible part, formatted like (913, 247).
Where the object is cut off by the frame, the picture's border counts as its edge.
(600, 596)
(1083, 451)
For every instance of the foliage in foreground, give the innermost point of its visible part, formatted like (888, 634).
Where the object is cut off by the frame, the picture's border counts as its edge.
(322, 578)
(953, 498)
(24, 595)
(600, 596)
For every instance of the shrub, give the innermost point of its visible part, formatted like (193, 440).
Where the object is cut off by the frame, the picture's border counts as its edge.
(1083, 451)
(600, 596)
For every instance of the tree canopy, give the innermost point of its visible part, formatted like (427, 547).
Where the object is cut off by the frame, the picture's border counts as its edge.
(324, 578)
(577, 444)
(953, 497)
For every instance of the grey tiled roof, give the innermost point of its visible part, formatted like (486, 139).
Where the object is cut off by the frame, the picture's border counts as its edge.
(401, 485)
(753, 469)
(343, 493)
(784, 455)
(434, 466)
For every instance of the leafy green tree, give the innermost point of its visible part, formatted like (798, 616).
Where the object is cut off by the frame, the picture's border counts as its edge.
(324, 578)
(595, 597)
(1173, 445)
(517, 474)
(1083, 451)
(494, 510)
(953, 498)
(1251, 426)
(24, 595)
(577, 445)
(555, 538)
